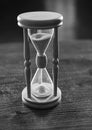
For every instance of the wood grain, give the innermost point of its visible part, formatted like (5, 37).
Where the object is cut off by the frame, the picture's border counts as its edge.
(75, 80)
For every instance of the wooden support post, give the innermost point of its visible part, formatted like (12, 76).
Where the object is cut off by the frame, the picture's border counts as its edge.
(27, 62)
(55, 60)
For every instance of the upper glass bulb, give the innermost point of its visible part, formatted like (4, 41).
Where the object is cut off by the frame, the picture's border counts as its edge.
(40, 39)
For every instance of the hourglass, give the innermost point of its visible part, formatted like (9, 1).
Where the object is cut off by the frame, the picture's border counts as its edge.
(39, 28)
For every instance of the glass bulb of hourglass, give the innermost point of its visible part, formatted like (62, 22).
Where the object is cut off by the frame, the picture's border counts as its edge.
(41, 84)
(40, 39)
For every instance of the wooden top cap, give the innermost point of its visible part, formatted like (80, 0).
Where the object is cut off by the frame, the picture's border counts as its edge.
(40, 19)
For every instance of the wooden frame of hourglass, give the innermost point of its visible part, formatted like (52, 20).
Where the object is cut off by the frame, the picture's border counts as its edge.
(40, 20)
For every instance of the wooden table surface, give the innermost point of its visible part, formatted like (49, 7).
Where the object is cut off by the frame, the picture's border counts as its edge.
(75, 80)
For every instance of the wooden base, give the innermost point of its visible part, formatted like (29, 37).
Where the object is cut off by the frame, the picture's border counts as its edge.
(41, 104)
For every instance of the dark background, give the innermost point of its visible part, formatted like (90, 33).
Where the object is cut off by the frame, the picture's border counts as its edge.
(77, 17)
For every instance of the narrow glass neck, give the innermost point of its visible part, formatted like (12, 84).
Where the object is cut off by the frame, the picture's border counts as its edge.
(41, 61)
